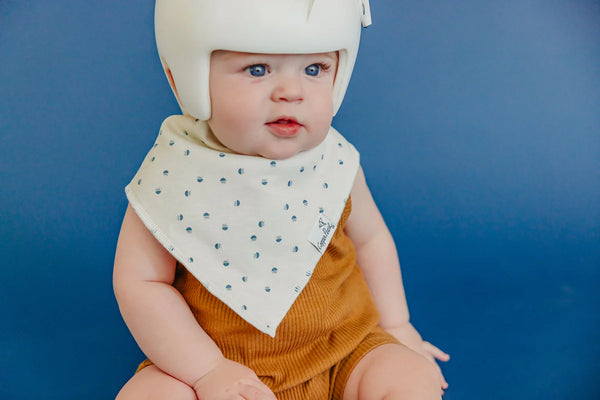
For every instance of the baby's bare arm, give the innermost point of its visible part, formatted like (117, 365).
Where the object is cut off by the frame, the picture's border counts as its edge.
(155, 312)
(376, 255)
(378, 260)
(162, 322)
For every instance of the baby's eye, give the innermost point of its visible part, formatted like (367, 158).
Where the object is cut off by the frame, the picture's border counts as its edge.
(257, 70)
(313, 70)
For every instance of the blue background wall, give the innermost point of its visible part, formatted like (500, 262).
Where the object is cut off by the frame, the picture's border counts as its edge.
(479, 127)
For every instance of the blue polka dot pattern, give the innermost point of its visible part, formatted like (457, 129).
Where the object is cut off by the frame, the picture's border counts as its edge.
(241, 216)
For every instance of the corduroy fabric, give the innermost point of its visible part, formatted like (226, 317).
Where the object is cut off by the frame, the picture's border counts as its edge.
(330, 327)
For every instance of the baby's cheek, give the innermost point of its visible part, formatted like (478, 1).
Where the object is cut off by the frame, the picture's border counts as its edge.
(325, 114)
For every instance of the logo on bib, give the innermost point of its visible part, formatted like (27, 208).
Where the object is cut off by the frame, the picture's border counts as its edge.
(322, 233)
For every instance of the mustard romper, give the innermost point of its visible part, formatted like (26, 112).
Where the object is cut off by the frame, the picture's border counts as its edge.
(330, 327)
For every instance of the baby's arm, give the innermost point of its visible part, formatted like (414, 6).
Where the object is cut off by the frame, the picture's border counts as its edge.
(161, 321)
(378, 260)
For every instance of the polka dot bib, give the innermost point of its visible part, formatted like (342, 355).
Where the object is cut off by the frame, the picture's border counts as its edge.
(250, 229)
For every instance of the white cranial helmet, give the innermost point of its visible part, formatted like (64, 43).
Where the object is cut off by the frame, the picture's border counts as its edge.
(188, 31)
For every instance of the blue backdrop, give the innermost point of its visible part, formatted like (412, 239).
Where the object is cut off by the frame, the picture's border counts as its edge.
(479, 127)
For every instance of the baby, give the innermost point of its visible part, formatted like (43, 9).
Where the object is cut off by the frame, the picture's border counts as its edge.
(252, 261)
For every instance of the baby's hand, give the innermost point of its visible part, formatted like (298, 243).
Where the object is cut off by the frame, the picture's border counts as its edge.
(409, 337)
(230, 380)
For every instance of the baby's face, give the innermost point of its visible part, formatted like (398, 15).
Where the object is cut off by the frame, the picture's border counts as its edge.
(271, 105)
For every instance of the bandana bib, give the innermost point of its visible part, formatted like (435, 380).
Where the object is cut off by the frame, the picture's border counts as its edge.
(250, 229)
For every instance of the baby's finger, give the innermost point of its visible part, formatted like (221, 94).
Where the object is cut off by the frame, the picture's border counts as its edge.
(430, 352)
(436, 352)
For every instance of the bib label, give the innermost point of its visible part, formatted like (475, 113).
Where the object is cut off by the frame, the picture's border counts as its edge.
(322, 233)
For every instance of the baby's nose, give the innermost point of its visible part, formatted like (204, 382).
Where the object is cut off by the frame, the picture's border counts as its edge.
(288, 89)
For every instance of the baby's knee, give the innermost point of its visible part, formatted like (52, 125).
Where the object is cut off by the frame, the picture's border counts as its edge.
(151, 383)
(395, 372)
(173, 392)
(426, 376)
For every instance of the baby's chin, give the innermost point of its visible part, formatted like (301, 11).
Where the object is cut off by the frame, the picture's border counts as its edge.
(283, 152)
(280, 155)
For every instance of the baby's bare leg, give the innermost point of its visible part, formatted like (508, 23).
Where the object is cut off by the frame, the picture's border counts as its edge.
(153, 384)
(393, 372)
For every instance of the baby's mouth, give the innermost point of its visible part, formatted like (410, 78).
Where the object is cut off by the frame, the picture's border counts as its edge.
(284, 126)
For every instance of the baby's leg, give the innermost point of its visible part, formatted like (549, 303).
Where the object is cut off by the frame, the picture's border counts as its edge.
(153, 384)
(393, 372)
